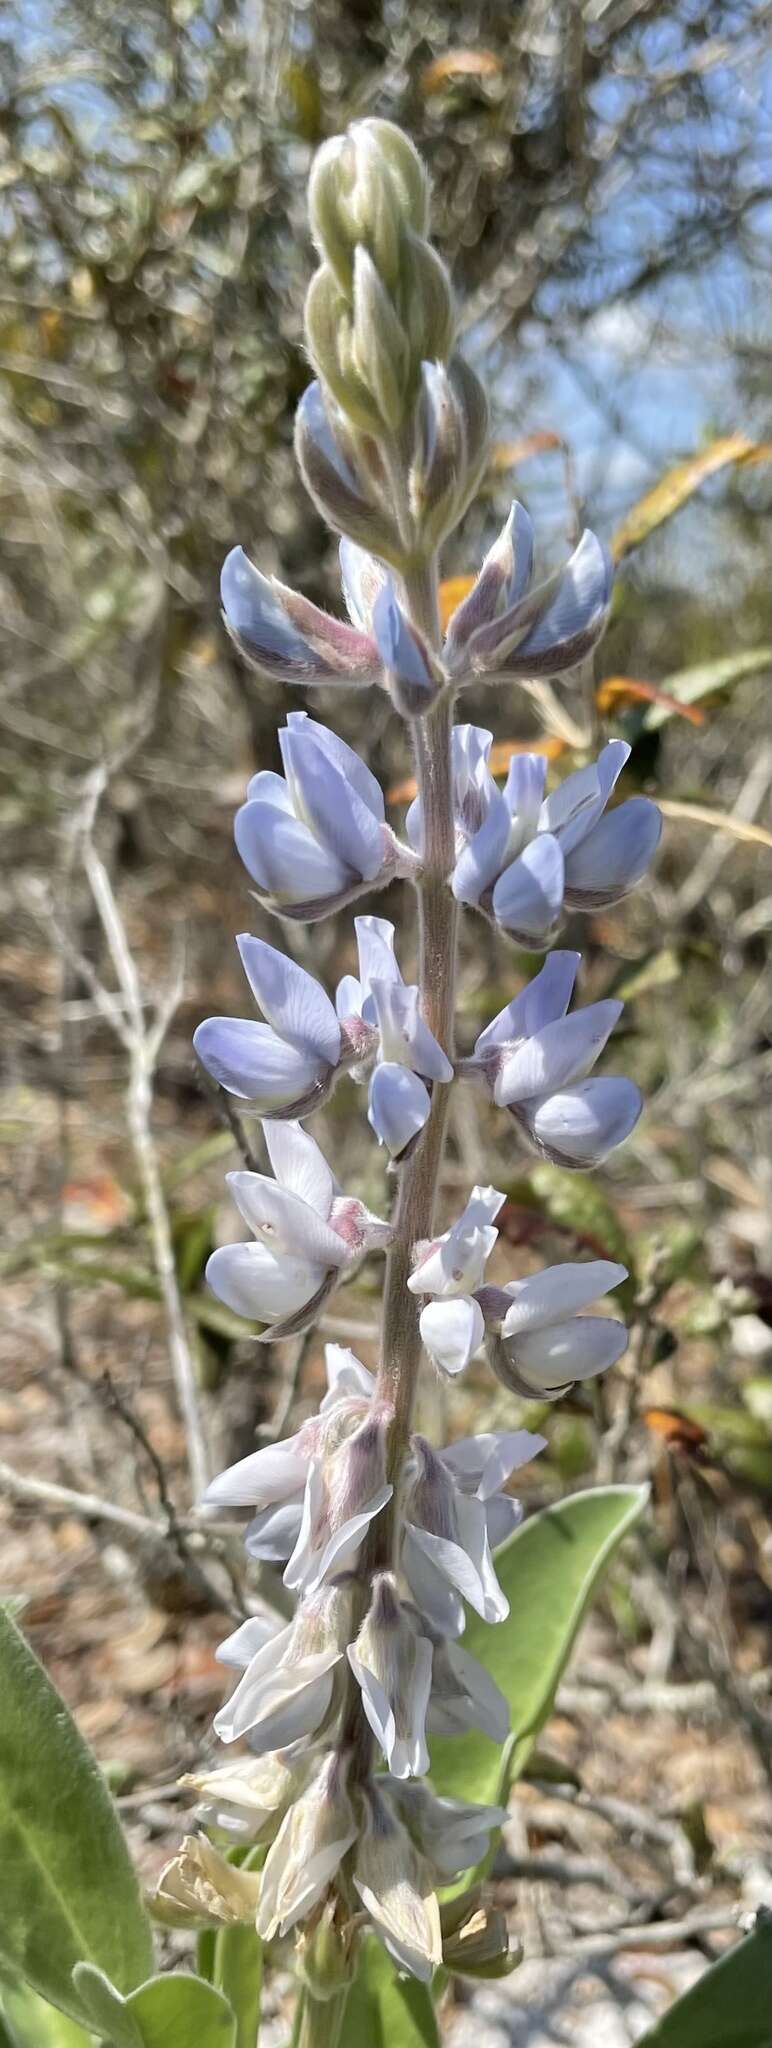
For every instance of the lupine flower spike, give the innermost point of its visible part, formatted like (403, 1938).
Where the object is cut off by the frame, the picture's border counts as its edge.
(385, 1542)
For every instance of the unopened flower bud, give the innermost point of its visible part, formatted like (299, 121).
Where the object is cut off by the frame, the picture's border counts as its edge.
(413, 677)
(329, 470)
(198, 1886)
(392, 1664)
(324, 1953)
(380, 347)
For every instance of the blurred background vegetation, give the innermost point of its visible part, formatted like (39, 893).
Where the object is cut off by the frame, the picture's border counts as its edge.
(603, 194)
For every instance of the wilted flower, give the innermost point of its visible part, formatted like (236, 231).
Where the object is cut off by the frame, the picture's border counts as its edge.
(312, 838)
(524, 856)
(344, 1492)
(199, 1886)
(288, 1685)
(247, 1796)
(504, 628)
(395, 1885)
(386, 1014)
(536, 1060)
(475, 1940)
(305, 1234)
(392, 1664)
(309, 1847)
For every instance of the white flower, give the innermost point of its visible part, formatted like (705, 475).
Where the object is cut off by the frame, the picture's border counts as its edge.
(451, 1269)
(305, 1234)
(287, 1689)
(395, 1885)
(392, 1664)
(245, 1796)
(344, 1492)
(313, 837)
(390, 1023)
(453, 1834)
(545, 1344)
(309, 1847)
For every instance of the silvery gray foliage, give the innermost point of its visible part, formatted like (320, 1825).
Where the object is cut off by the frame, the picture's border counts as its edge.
(383, 1539)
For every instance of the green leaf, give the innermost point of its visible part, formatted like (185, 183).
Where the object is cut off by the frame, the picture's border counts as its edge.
(31, 2022)
(384, 2010)
(730, 2006)
(707, 679)
(549, 1570)
(238, 1974)
(167, 2012)
(67, 1887)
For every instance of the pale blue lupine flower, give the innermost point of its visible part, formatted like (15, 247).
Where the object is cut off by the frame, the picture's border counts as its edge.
(524, 856)
(287, 1064)
(385, 1014)
(504, 628)
(311, 839)
(305, 1234)
(536, 1062)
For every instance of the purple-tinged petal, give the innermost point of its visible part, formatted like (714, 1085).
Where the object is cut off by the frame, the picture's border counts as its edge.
(563, 1052)
(398, 1106)
(402, 651)
(291, 1000)
(504, 578)
(260, 625)
(330, 805)
(575, 619)
(362, 577)
(284, 858)
(331, 481)
(524, 790)
(272, 1534)
(528, 897)
(252, 1062)
(479, 863)
(351, 656)
(614, 856)
(580, 1125)
(543, 999)
(343, 758)
(482, 1464)
(268, 788)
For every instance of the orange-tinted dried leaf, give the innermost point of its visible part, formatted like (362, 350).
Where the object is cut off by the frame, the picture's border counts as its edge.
(679, 484)
(678, 1432)
(498, 762)
(460, 64)
(506, 454)
(616, 690)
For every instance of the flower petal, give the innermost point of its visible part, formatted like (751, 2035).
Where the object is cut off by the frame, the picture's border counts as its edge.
(300, 1165)
(528, 897)
(452, 1331)
(481, 1464)
(255, 1284)
(349, 764)
(572, 1350)
(273, 1533)
(362, 577)
(345, 1375)
(284, 858)
(563, 1052)
(289, 1224)
(614, 855)
(260, 626)
(260, 1479)
(543, 999)
(579, 1126)
(479, 862)
(558, 1291)
(280, 1708)
(571, 810)
(291, 1000)
(575, 618)
(329, 803)
(375, 949)
(250, 1061)
(399, 1105)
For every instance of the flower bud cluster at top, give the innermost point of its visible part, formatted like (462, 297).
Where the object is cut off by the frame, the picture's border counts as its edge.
(383, 1539)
